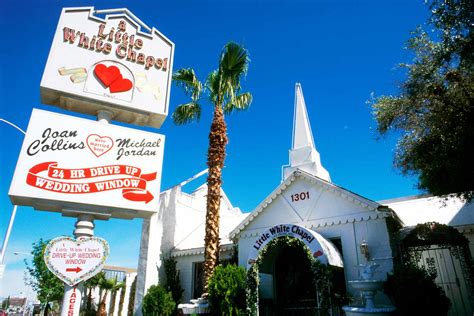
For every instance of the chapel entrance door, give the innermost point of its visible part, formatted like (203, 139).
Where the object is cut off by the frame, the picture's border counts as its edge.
(294, 290)
(449, 276)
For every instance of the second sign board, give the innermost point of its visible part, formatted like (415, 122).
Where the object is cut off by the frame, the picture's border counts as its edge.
(69, 163)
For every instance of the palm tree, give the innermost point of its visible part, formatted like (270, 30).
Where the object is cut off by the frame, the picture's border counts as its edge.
(118, 286)
(106, 286)
(90, 285)
(224, 91)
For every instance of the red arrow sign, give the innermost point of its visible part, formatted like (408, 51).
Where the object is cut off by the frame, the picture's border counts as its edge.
(77, 269)
(132, 195)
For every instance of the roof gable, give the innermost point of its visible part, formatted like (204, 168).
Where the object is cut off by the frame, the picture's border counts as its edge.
(304, 198)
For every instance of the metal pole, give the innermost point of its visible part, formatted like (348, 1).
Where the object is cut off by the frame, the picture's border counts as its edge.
(12, 218)
(7, 235)
(104, 116)
(13, 125)
(84, 228)
(72, 294)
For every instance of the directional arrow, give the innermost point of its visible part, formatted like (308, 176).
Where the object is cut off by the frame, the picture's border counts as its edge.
(77, 269)
(131, 195)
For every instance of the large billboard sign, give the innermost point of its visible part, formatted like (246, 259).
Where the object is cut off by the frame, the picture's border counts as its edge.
(114, 63)
(69, 163)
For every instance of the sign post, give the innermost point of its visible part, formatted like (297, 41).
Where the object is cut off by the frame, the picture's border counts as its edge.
(72, 297)
(89, 170)
(71, 301)
(75, 261)
(110, 64)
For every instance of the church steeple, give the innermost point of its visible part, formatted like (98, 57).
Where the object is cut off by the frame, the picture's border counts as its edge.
(303, 153)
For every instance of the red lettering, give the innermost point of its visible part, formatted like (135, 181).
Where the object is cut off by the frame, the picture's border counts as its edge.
(101, 31)
(122, 25)
(138, 43)
(107, 48)
(118, 37)
(69, 35)
(121, 51)
(84, 41)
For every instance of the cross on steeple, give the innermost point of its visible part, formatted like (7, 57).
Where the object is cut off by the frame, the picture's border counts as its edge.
(303, 153)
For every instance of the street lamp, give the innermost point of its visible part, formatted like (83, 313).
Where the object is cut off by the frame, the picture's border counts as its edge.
(13, 125)
(12, 218)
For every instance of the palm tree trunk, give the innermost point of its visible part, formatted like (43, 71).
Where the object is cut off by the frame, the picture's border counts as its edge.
(112, 303)
(215, 162)
(122, 298)
(89, 299)
(102, 309)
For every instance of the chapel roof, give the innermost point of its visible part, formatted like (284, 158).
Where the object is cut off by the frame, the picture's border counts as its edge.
(420, 209)
(369, 205)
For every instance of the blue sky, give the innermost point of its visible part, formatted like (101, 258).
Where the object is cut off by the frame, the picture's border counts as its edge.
(340, 52)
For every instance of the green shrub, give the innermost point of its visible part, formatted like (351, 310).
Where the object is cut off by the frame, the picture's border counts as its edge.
(414, 292)
(158, 302)
(227, 290)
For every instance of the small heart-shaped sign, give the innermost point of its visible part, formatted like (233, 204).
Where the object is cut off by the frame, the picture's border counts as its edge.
(318, 253)
(107, 75)
(120, 85)
(99, 145)
(74, 261)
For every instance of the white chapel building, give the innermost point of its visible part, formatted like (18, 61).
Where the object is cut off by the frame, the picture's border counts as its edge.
(346, 228)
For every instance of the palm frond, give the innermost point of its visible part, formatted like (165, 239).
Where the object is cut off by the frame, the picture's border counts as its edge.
(188, 81)
(212, 85)
(222, 85)
(118, 285)
(186, 113)
(240, 102)
(233, 64)
(107, 284)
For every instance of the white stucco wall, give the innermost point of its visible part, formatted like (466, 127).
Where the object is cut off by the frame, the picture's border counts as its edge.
(178, 224)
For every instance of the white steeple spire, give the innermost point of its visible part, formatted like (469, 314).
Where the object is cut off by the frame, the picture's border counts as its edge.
(302, 135)
(303, 153)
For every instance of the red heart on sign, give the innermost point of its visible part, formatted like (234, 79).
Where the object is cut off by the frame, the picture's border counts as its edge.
(107, 75)
(99, 145)
(120, 85)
